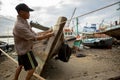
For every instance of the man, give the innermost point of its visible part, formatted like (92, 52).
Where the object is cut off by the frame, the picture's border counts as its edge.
(24, 37)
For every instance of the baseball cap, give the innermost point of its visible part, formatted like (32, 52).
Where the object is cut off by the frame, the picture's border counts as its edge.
(23, 7)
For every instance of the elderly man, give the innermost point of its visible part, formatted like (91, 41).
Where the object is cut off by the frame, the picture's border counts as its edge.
(24, 37)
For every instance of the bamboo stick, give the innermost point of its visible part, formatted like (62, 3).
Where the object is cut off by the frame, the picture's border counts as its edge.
(8, 56)
(34, 74)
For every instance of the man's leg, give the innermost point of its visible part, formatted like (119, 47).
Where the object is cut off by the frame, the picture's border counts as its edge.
(18, 70)
(29, 74)
(30, 65)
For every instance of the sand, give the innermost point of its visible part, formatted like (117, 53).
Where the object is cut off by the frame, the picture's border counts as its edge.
(98, 64)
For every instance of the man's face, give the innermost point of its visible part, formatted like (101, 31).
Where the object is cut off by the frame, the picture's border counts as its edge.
(24, 14)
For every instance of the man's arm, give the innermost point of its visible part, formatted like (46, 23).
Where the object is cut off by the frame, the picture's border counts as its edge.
(45, 36)
(24, 33)
(27, 34)
(45, 32)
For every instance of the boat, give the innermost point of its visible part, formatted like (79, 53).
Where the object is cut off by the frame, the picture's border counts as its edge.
(3, 46)
(98, 42)
(68, 34)
(94, 39)
(113, 31)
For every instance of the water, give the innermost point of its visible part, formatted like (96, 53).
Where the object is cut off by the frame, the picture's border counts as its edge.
(7, 40)
(6, 28)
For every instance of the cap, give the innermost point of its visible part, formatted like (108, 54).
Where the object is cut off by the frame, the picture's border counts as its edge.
(23, 7)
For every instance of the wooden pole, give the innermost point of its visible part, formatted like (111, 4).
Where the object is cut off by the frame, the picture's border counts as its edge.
(38, 26)
(71, 17)
(34, 74)
(8, 56)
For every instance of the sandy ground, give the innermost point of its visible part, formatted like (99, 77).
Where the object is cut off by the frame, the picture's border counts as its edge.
(99, 64)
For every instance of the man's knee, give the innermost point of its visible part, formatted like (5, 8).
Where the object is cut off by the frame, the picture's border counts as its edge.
(19, 67)
(31, 71)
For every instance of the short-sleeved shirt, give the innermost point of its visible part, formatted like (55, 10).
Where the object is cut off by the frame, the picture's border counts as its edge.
(23, 36)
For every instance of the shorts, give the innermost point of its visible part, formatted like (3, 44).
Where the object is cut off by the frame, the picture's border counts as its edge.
(28, 61)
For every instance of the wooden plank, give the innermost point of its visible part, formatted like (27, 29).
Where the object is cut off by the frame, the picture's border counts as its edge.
(34, 74)
(9, 56)
(55, 42)
(45, 52)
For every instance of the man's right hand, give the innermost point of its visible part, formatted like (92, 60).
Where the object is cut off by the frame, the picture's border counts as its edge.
(51, 34)
(45, 36)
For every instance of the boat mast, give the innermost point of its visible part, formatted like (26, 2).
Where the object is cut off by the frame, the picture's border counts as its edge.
(119, 11)
(77, 26)
(71, 17)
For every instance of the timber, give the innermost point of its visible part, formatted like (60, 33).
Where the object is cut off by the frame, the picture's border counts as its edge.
(34, 74)
(38, 26)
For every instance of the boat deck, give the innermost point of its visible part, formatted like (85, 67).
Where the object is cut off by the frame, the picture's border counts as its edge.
(113, 31)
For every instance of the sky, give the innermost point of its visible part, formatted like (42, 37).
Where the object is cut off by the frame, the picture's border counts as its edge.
(47, 11)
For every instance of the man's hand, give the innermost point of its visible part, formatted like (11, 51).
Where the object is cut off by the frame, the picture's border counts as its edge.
(51, 34)
(45, 32)
(45, 36)
(50, 30)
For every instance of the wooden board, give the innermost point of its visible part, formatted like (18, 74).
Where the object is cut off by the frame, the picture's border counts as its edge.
(45, 52)
(21, 76)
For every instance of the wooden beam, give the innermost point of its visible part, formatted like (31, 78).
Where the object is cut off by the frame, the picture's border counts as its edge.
(38, 26)
(54, 42)
(59, 37)
(36, 75)
(45, 52)
(8, 56)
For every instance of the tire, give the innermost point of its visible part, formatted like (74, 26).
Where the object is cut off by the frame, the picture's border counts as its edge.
(64, 53)
(102, 42)
(66, 57)
(95, 43)
(0, 53)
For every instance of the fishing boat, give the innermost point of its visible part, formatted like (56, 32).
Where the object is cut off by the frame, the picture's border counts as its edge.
(98, 42)
(68, 34)
(113, 31)
(3, 46)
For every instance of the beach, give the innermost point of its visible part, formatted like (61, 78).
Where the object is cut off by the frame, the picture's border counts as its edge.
(98, 64)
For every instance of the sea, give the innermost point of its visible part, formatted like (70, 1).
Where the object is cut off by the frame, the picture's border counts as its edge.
(7, 40)
(6, 28)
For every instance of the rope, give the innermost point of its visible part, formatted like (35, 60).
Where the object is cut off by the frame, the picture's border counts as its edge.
(90, 12)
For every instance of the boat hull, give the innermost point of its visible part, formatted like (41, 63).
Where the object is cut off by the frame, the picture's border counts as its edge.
(3, 46)
(113, 32)
(99, 43)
